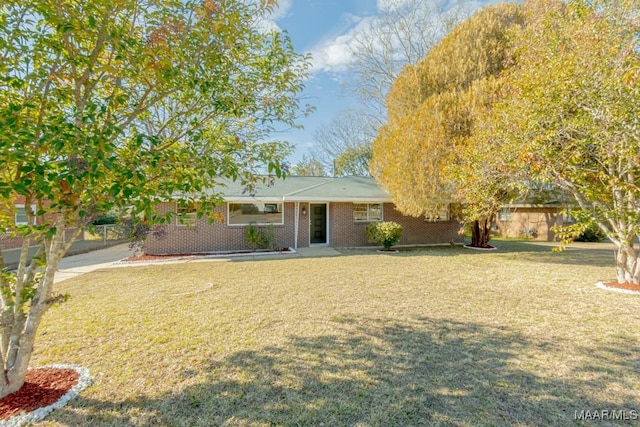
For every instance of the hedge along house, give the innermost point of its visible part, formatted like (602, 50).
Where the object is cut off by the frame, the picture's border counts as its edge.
(300, 211)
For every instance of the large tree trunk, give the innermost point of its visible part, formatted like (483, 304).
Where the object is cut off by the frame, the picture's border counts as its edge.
(21, 316)
(480, 233)
(627, 265)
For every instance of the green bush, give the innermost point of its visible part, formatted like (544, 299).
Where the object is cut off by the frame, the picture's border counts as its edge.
(258, 239)
(105, 220)
(385, 233)
(591, 234)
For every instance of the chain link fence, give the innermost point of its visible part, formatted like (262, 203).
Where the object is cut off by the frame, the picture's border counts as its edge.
(107, 233)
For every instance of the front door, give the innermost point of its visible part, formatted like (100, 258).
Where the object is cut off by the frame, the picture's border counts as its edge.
(318, 224)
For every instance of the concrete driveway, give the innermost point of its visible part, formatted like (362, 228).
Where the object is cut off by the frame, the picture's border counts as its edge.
(76, 265)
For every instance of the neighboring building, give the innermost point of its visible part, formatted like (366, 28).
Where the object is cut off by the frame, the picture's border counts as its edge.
(7, 241)
(534, 221)
(302, 211)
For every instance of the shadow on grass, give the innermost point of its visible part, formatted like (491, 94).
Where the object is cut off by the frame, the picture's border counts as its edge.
(371, 372)
(596, 254)
(585, 254)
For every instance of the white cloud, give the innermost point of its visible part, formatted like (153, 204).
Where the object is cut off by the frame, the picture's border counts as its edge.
(269, 22)
(335, 54)
(282, 10)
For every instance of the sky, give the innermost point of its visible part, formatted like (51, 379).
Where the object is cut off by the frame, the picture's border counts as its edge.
(326, 29)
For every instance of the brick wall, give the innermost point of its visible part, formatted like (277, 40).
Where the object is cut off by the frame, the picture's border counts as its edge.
(345, 232)
(303, 226)
(8, 242)
(539, 219)
(206, 237)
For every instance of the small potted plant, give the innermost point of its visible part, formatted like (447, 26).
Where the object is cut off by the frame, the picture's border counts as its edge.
(385, 233)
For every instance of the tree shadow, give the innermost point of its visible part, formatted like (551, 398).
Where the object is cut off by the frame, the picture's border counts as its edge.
(375, 372)
(535, 251)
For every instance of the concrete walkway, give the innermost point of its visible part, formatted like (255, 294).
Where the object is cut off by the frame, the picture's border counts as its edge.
(75, 265)
(317, 251)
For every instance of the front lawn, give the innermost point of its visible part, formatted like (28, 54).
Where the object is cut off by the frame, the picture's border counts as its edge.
(443, 336)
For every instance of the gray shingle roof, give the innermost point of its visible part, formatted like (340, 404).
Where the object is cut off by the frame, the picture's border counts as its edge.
(309, 189)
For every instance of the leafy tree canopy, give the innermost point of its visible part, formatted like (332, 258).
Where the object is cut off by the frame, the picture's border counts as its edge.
(108, 104)
(433, 110)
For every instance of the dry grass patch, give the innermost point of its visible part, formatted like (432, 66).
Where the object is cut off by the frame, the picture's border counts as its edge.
(442, 336)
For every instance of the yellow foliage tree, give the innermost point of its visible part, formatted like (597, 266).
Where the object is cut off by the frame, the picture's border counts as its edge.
(433, 106)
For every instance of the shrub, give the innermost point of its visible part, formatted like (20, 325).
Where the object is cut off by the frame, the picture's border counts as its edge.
(257, 239)
(591, 234)
(105, 220)
(385, 233)
(253, 236)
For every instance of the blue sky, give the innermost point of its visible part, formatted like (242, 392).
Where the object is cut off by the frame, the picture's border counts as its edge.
(325, 28)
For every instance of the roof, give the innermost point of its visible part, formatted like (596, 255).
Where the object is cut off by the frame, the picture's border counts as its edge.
(307, 189)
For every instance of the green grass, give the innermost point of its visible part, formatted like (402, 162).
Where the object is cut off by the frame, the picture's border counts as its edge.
(442, 336)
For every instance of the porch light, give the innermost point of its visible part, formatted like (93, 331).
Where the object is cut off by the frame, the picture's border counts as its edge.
(304, 210)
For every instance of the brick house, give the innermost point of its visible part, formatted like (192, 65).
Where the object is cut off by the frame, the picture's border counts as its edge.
(302, 211)
(9, 241)
(531, 220)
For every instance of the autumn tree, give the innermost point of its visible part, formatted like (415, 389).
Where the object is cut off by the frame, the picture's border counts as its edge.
(434, 107)
(573, 115)
(308, 166)
(402, 33)
(123, 104)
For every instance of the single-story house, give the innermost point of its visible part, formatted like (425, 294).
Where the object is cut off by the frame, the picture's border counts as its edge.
(18, 211)
(300, 211)
(531, 220)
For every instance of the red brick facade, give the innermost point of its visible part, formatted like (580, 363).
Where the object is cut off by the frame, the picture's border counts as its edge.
(536, 220)
(8, 242)
(342, 230)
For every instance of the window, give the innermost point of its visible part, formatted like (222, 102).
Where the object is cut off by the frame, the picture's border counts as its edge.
(187, 215)
(504, 214)
(441, 215)
(21, 214)
(255, 213)
(367, 212)
(567, 217)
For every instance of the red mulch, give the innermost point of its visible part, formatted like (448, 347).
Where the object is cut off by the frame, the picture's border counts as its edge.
(146, 257)
(627, 286)
(43, 387)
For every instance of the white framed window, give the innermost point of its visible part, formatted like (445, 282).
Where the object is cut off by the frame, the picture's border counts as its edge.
(187, 215)
(20, 217)
(504, 214)
(367, 212)
(441, 215)
(255, 213)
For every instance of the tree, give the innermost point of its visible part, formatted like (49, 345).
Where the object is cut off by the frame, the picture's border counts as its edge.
(308, 167)
(353, 161)
(107, 105)
(573, 117)
(344, 146)
(434, 105)
(402, 34)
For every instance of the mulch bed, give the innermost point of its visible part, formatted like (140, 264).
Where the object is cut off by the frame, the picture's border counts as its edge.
(624, 286)
(43, 387)
(146, 257)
